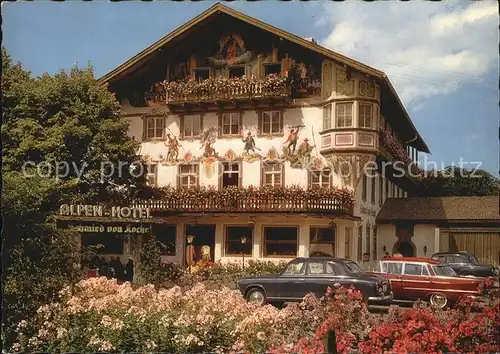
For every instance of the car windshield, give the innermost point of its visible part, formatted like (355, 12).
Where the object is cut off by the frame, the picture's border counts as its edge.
(353, 267)
(444, 270)
(472, 258)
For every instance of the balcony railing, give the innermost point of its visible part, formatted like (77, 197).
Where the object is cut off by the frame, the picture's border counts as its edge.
(263, 199)
(220, 88)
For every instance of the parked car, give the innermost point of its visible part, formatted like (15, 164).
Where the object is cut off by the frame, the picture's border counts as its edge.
(465, 263)
(415, 278)
(314, 275)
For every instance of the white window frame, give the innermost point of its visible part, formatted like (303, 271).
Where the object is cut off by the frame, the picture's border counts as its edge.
(190, 120)
(327, 116)
(365, 117)
(152, 174)
(324, 179)
(193, 176)
(271, 115)
(341, 114)
(157, 123)
(234, 120)
(272, 169)
(230, 171)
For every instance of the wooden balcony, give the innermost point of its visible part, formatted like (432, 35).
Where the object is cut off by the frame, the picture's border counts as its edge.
(258, 200)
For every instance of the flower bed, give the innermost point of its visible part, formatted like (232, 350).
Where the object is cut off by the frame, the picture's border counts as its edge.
(98, 315)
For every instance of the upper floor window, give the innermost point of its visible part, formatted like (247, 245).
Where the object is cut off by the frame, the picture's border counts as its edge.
(365, 115)
(201, 74)
(374, 187)
(343, 115)
(236, 71)
(273, 174)
(231, 174)
(231, 123)
(320, 179)
(191, 126)
(152, 174)
(189, 175)
(272, 68)
(272, 122)
(327, 117)
(364, 187)
(155, 127)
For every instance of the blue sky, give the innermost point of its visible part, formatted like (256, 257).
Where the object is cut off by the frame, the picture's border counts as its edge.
(441, 57)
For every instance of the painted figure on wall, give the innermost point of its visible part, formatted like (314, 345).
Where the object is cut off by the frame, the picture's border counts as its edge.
(232, 51)
(173, 148)
(293, 138)
(249, 144)
(305, 150)
(209, 150)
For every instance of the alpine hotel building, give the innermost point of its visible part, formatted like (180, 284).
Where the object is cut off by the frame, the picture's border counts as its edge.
(266, 133)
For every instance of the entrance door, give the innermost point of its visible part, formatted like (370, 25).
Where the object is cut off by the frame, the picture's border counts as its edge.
(203, 241)
(406, 249)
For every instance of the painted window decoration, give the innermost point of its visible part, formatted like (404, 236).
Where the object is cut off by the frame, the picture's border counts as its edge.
(273, 174)
(232, 240)
(189, 175)
(231, 174)
(327, 117)
(191, 126)
(365, 115)
(231, 123)
(155, 127)
(272, 122)
(343, 115)
(322, 241)
(152, 174)
(166, 235)
(320, 179)
(280, 241)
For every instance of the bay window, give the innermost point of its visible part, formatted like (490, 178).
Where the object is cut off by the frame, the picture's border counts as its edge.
(365, 115)
(343, 115)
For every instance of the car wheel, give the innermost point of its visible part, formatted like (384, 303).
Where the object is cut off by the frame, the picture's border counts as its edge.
(438, 301)
(256, 296)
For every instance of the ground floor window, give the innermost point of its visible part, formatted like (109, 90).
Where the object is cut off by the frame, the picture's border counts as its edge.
(202, 240)
(233, 235)
(322, 241)
(280, 241)
(107, 243)
(166, 235)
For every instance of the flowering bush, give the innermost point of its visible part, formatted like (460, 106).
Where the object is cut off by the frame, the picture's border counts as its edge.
(392, 144)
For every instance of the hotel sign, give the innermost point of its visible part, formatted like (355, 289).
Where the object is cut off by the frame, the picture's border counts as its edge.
(109, 228)
(100, 211)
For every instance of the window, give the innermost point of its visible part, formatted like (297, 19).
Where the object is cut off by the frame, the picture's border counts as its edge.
(330, 268)
(322, 241)
(230, 174)
(201, 74)
(454, 259)
(152, 174)
(368, 239)
(374, 189)
(374, 248)
(280, 241)
(348, 235)
(233, 235)
(231, 123)
(444, 270)
(316, 268)
(320, 179)
(273, 174)
(271, 122)
(387, 189)
(343, 114)
(364, 186)
(155, 127)
(236, 71)
(414, 269)
(360, 242)
(352, 267)
(111, 243)
(188, 176)
(191, 126)
(381, 190)
(327, 117)
(392, 268)
(365, 115)
(272, 69)
(295, 268)
(166, 235)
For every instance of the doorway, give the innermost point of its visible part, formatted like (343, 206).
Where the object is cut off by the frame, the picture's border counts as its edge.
(203, 241)
(405, 248)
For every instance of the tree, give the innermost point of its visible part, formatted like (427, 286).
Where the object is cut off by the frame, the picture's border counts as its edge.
(61, 137)
(454, 181)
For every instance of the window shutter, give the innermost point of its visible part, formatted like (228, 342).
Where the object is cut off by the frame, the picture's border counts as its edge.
(144, 127)
(282, 120)
(219, 122)
(259, 122)
(240, 123)
(181, 125)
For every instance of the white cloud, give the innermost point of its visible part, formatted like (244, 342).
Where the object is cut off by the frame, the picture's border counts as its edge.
(425, 48)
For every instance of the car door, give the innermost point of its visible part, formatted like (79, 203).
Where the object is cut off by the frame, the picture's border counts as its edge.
(317, 280)
(394, 272)
(291, 281)
(416, 281)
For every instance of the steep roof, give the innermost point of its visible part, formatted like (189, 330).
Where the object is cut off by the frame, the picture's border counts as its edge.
(312, 45)
(439, 209)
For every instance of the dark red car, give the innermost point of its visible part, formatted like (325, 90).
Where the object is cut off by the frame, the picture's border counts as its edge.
(414, 278)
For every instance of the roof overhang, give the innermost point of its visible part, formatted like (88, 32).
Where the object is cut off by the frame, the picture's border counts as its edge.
(313, 46)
